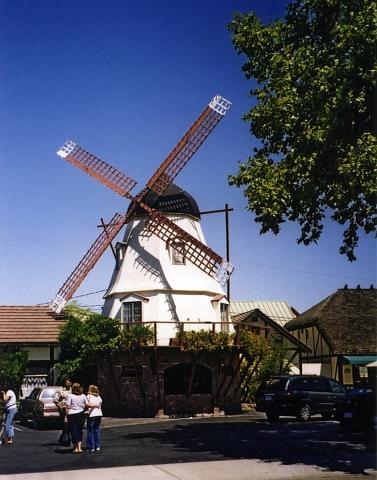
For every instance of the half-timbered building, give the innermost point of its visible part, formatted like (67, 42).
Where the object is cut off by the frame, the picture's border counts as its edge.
(340, 332)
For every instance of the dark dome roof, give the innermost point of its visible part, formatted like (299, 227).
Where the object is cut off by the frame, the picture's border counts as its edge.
(173, 200)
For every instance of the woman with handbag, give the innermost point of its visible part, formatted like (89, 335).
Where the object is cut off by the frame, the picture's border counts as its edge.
(94, 405)
(10, 409)
(76, 402)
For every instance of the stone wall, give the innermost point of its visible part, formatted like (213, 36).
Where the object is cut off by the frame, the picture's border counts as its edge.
(142, 385)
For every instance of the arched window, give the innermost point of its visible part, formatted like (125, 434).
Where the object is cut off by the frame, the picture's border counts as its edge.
(177, 379)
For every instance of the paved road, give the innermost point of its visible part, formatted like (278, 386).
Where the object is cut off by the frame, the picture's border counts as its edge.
(220, 448)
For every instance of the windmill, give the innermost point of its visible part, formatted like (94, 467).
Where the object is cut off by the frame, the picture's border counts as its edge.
(158, 224)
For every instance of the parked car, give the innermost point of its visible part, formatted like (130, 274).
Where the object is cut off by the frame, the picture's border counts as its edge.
(301, 396)
(39, 407)
(359, 411)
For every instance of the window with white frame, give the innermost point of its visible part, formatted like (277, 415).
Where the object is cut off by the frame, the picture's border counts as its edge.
(132, 312)
(178, 252)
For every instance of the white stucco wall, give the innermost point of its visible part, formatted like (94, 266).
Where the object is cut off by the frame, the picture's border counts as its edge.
(168, 292)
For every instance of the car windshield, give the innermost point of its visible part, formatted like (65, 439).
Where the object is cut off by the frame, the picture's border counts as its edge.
(48, 393)
(276, 384)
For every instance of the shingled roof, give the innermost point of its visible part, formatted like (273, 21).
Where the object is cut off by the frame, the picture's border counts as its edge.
(29, 324)
(347, 319)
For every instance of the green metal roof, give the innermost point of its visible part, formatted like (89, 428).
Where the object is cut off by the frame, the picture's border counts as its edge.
(360, 359)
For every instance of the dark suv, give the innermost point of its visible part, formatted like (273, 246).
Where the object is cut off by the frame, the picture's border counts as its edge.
(300, 396)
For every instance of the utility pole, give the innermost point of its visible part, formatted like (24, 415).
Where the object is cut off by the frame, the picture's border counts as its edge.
(225, 210)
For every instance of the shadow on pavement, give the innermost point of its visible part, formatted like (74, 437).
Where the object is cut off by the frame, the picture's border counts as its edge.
(317, 443)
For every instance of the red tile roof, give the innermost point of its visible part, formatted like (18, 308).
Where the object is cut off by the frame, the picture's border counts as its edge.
(29, 324)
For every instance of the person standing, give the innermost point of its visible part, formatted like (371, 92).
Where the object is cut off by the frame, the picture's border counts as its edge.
(60, 401)
(10, 409)
(94, 404)
(76, 402)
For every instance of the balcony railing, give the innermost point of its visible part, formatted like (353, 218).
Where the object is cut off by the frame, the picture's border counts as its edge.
(169, 333)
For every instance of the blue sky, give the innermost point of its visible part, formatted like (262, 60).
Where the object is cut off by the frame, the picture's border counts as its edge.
(125, 80)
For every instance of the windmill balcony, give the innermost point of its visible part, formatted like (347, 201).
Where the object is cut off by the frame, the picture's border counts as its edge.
(167, 334)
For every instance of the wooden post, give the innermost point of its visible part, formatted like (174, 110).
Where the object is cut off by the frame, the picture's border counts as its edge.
(249, 377)
(248, 365)
(191, 380)
(233, 376)
(155, 333)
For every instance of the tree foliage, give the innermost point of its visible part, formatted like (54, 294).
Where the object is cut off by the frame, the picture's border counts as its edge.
(315, 117)
(13, 366)
(86, 334)
(272, 362)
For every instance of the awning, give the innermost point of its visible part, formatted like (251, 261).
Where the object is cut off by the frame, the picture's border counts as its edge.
(372, 364)
(359, 359)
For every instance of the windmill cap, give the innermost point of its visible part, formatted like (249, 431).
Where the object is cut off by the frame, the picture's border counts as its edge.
(173, 200)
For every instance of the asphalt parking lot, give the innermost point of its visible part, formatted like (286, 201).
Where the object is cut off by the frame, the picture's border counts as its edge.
(318, 444)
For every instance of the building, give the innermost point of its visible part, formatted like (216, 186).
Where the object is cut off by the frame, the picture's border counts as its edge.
(153, 283)
(341, 334)
(261, 324)
(35, 329)
(277, 310)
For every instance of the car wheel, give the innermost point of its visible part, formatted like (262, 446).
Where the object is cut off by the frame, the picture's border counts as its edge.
(35, 422)
(23, 419)
(272, 416)
(327, 416)
(346, 426)
(304, 413)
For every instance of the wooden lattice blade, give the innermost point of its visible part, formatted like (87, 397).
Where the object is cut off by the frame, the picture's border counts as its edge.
(193, 249)
(97, 168)
(87, 262)
(189, 144)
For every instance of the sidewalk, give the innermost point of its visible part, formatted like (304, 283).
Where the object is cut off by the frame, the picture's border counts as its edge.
(216, 470)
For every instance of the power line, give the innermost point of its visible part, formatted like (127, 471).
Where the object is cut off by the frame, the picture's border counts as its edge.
(90, 293)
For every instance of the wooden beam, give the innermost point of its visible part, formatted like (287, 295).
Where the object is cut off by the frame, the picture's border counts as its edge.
(233, 376)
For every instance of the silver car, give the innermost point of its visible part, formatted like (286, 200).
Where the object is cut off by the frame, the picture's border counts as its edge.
(39, 407)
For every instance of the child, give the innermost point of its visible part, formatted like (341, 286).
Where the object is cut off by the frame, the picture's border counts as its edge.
(94, 404)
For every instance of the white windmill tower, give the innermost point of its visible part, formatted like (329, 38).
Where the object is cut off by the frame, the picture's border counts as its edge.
(153, 282)
(165, 272)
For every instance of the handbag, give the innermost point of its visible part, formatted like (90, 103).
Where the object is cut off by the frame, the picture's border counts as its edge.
(65, 438)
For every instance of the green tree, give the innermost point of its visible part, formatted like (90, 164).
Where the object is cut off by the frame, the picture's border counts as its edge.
(271, 361)
(13, 366)
(315, 117)
(86, 336)
(83, 335)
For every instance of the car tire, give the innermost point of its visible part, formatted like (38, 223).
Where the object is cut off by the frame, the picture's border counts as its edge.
(346, 426)
(23, 419)
(272, 416)
(35, 422)
(304, 412)
(327, 416)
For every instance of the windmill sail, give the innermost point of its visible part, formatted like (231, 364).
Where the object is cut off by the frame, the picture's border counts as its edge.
(87, 262)
(189, 144)
(198, 253)
(194, 250)
(97, 168)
